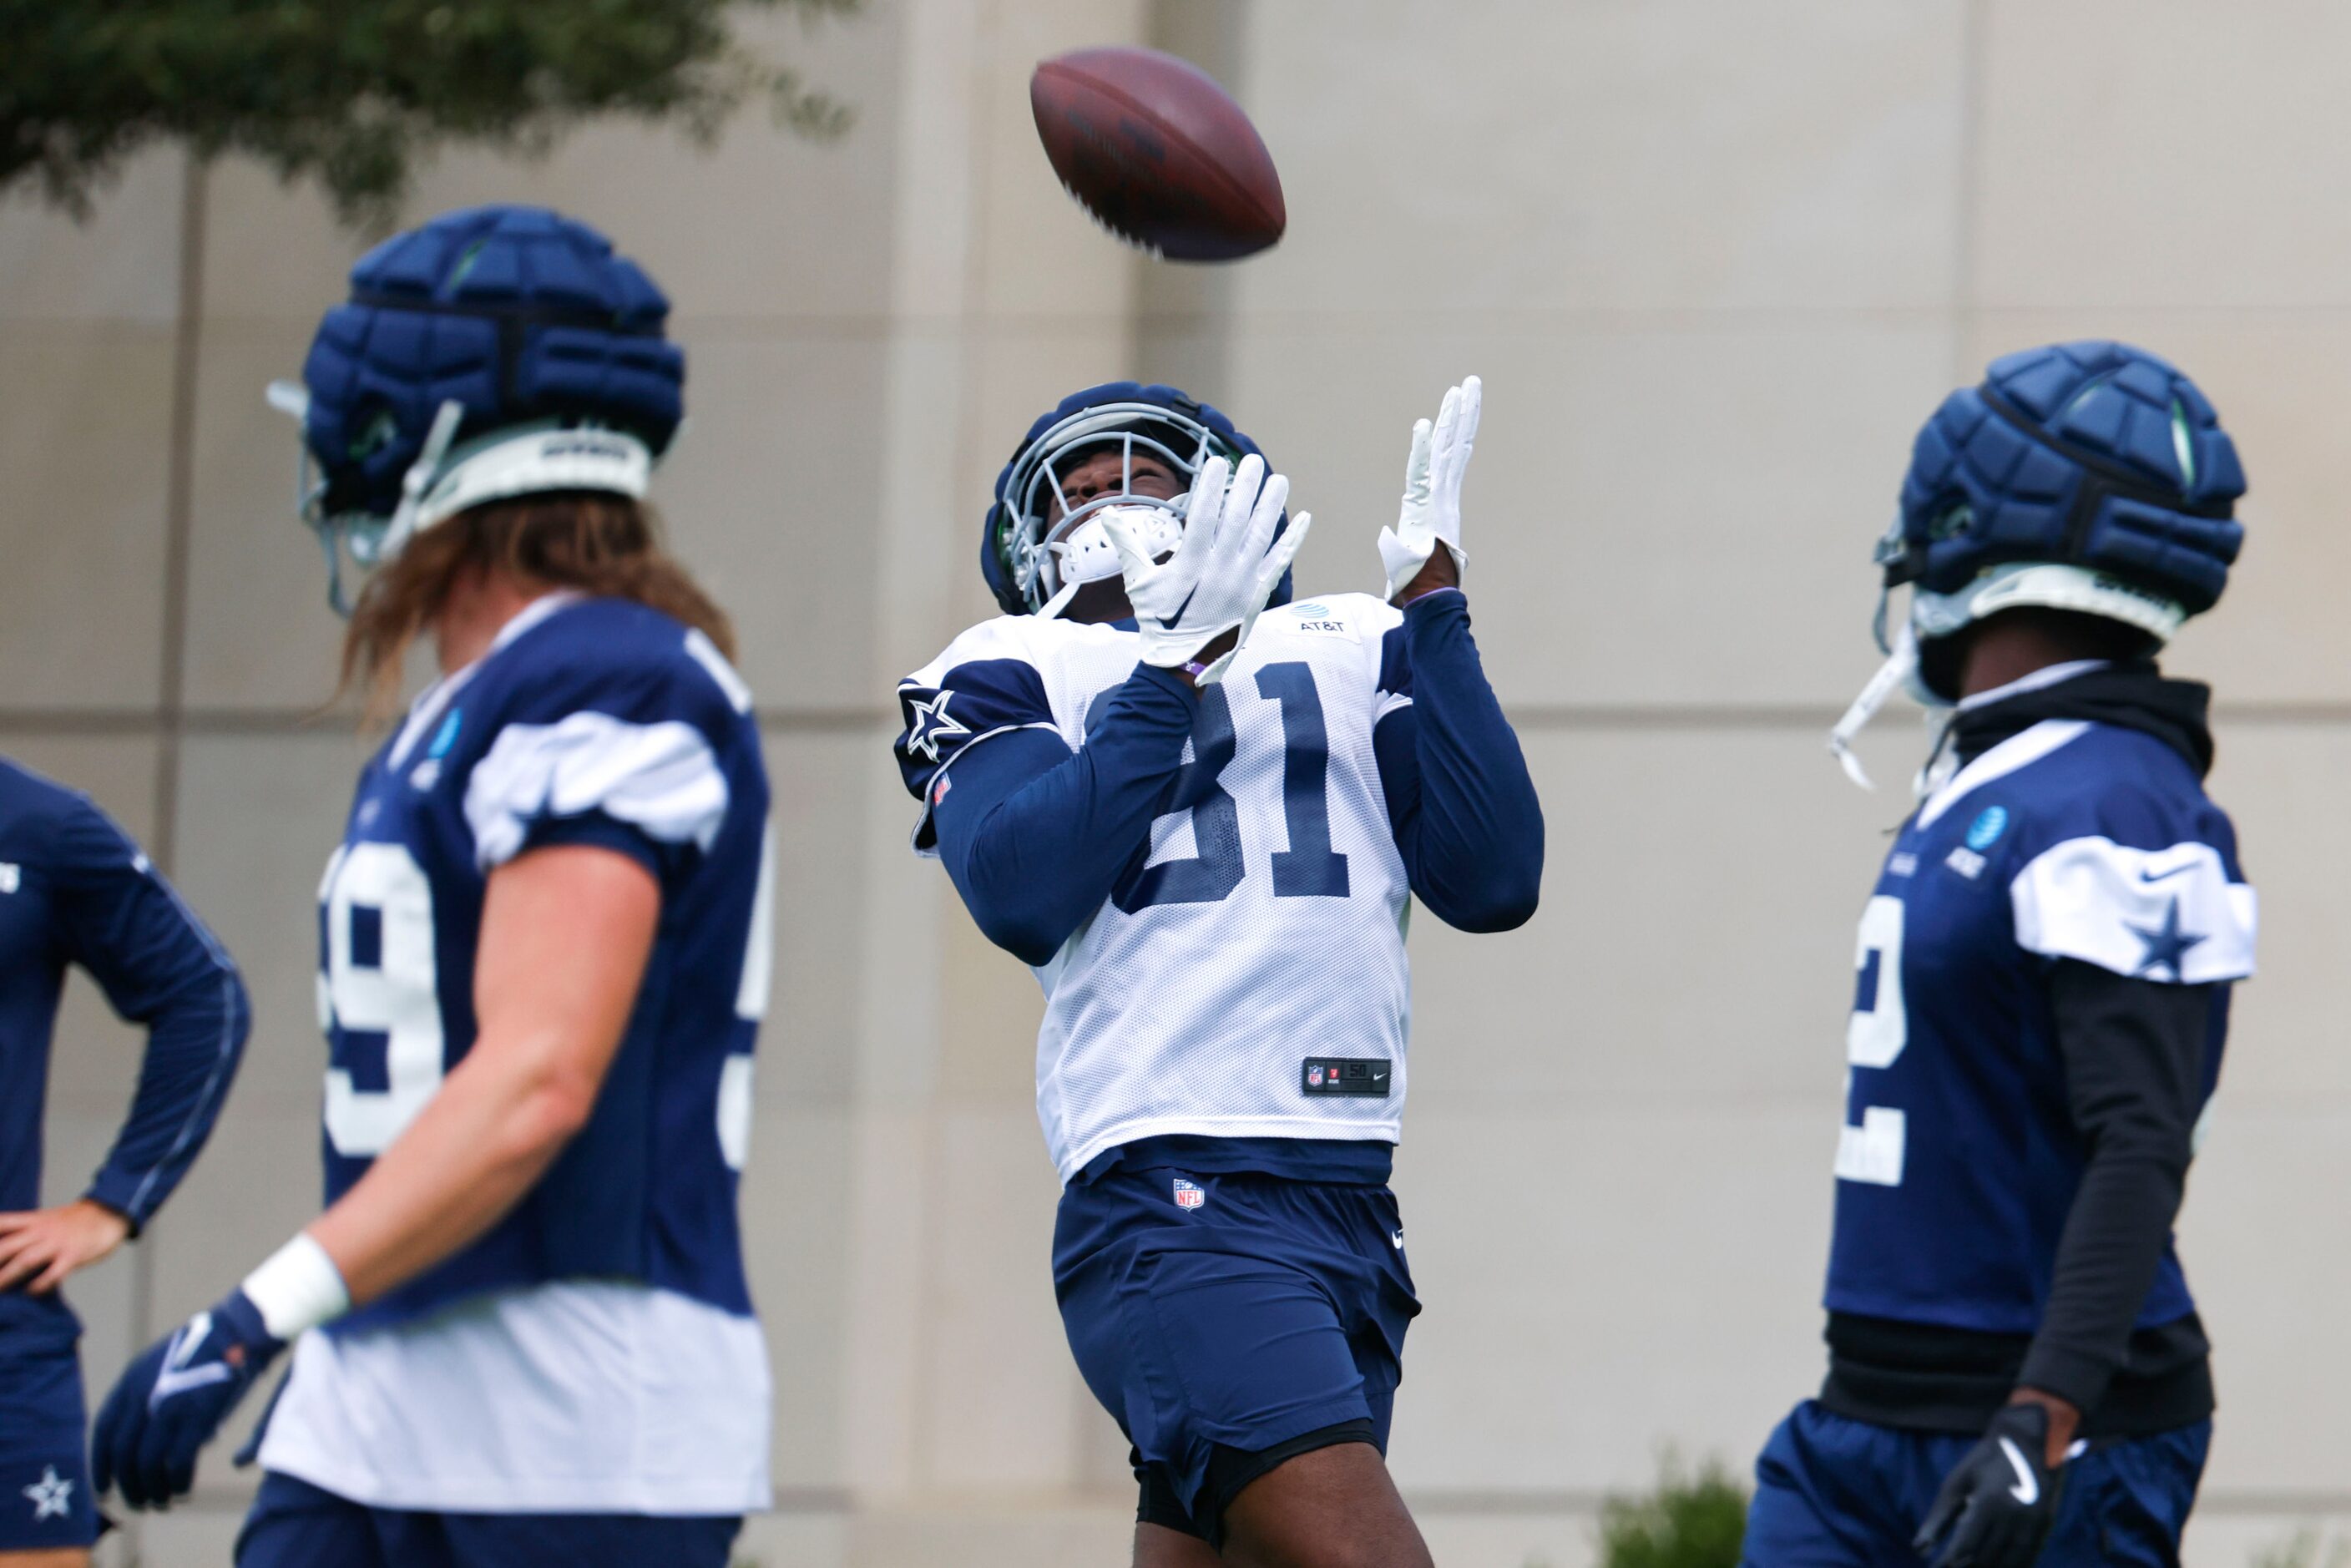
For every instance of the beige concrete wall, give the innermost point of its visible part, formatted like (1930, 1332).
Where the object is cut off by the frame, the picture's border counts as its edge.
(1714, 261)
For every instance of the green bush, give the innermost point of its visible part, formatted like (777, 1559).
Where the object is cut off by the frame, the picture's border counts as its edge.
(2306, 1549)
(1689, 1521)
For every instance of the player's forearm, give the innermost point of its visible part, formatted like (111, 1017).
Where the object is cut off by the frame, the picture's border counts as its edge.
(1034, 836)
(2113, 1244)
(473, 1152)
(1474, 843)
(2134, 1054)
(196, 1042)
(566, 934)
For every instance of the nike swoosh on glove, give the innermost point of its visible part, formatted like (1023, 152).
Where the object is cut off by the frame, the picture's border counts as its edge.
(1225, 567)
(1431, 512)
(2000, 1500)
(170, 1402)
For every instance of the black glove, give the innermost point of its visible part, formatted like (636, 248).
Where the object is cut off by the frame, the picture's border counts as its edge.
(1999, 1500)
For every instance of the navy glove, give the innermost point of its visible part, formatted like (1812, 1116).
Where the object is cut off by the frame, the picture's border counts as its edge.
(170, 1402)
(1999, 1500)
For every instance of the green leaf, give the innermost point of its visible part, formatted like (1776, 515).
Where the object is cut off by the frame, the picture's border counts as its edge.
(355, 96)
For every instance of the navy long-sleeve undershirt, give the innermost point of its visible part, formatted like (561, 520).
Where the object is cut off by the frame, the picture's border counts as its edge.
(1460, 801)
(1034, 835)
(79, 892)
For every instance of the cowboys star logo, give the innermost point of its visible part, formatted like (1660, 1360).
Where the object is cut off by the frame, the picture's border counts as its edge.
(52, 1495)
(929, 723)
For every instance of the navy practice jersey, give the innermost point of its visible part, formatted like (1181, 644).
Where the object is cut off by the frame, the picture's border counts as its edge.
(1959, 1158)
(74, 889)
(590, 721)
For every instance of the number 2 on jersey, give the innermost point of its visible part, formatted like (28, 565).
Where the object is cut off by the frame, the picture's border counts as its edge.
(1874, 1038)
(1309, 868)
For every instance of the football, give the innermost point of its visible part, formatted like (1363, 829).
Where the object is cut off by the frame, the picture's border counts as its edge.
(1158, 154)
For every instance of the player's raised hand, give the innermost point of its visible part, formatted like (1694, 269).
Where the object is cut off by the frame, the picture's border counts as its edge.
(1222, 572)
(1431, 512)
(171, 1401)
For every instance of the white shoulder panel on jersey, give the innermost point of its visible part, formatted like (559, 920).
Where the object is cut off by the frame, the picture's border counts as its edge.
(2160, 915)
(1027, 638)
(1014, 673)
(661, 778)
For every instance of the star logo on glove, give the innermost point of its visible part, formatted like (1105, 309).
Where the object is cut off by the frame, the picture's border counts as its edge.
(927, 724)
(52, 1495)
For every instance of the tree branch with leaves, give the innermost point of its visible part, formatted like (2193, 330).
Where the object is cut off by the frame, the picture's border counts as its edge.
(356, 95)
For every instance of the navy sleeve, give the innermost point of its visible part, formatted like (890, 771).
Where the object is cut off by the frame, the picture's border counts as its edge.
(159, 966)
(2134, 1051)
(1460, 801)
(1034, 835)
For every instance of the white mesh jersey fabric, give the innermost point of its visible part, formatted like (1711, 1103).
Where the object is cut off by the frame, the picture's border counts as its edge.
(581, 1396)
(1199, 1017)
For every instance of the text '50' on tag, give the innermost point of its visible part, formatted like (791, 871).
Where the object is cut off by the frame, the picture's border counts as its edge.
(1346, 1075)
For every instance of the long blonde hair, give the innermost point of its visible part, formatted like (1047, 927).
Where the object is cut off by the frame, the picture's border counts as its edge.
(591, 541)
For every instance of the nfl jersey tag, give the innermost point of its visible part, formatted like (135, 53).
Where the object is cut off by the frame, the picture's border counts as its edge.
(1190, 1194)
(1346, 1075)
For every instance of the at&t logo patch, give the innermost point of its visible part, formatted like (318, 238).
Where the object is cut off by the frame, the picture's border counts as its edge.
(1190, 1194)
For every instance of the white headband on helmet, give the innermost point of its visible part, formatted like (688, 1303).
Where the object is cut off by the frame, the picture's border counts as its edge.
(518, 460)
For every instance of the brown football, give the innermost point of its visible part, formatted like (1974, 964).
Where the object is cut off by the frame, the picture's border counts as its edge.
(1159, 152)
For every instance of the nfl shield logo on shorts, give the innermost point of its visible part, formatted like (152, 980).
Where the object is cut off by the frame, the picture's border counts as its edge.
(1189, 1195)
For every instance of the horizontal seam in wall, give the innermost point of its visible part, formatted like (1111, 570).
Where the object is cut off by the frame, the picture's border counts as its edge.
(1582, 717)
(839, 1502)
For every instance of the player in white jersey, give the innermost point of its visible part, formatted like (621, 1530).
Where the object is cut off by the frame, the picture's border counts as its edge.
(1201, 813)
(521, 1328)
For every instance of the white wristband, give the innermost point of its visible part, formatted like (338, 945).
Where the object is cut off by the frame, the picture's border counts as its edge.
(299, 1288)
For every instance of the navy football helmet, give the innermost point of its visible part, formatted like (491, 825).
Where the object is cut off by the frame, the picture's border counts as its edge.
(2087, 477)
(495, 352)
(1034, 564)
(2091, 478)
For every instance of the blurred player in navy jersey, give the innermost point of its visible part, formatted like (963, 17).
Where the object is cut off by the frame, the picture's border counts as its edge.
(521, 1328)
(1200, 811)
(2016, 1370)
(75, 890)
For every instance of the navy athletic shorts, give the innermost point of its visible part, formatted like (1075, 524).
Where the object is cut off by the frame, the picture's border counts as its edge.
(297, 1525)
(1231, 1321)
(1834, 1492)
(44, 1499)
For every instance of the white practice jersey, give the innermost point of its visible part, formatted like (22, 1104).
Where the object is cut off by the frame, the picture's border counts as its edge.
(580, 1396)
(1246, 978)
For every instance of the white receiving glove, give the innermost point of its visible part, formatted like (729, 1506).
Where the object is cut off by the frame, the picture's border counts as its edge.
(1224, 569)
(1432, 489)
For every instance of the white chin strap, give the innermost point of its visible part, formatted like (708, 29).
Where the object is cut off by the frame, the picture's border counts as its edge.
(2008, 587)
(1086, 555)
(1896, 671)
